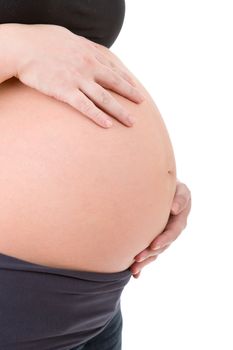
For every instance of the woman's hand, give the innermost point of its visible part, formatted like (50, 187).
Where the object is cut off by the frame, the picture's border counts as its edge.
(72, 69)
(177, 222)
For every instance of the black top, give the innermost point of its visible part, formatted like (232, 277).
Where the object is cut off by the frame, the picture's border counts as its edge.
(97, 20)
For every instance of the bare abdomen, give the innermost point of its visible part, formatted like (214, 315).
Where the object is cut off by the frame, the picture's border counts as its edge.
(73, 194)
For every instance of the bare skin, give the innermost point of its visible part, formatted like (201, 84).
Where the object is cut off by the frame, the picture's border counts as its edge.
(88, 205)
(68, 67)
(177, 222)
(177, 219)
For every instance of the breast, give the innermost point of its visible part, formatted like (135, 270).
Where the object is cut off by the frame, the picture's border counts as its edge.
(97, 20)
(74, 194)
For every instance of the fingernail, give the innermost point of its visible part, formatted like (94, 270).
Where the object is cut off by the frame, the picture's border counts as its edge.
(156, 247)
(131, 119)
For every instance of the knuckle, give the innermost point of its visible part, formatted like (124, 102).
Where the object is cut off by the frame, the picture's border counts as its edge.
(116, 80)
(181, 199)
(93, 112)
(88, 60)
(59, 94)
(132, 90)
(84, 62)
(84, 105)
(187, 190)
(98, 114)
(105, 98)
(98, 46)
(111, 64)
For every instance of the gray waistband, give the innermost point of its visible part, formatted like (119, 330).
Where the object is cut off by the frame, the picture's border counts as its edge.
(50, 308)
(11, 262)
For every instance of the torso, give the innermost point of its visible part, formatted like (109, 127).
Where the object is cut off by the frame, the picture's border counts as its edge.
(73, 194)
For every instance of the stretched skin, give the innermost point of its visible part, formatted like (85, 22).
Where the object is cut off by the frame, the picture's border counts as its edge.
(73, 194)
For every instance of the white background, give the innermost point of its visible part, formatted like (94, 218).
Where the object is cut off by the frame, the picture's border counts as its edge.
(182, 53)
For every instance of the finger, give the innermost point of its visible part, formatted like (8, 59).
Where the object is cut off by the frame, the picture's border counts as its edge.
(111, 80)
(128, 78)
(136, 275)
(175, 226)
(181, 198)
(82, 103)
(107, 102)
(178, 222)
(165, 240)
(148, 253)
(117, 70)
(136, 267)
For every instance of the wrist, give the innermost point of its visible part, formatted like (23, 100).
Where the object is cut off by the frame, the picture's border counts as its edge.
(11, 49)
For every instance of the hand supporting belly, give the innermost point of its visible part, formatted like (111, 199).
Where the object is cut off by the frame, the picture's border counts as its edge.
(76, 195)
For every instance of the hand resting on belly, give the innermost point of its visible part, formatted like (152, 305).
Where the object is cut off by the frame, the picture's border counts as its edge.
(75, 195)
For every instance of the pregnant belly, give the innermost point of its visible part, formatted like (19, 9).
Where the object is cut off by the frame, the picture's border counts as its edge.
(75, 195)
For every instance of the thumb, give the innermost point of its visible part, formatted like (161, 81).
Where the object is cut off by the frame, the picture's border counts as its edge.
(181, 198)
